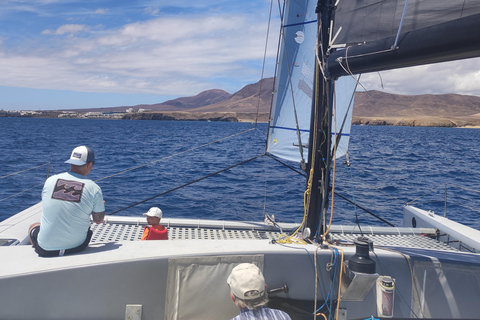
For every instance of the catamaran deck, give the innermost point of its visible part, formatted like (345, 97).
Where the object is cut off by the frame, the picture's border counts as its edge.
(123, 228)
(124, 232)
(388, 237)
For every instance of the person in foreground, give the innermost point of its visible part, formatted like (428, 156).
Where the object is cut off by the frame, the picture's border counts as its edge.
(249, 292)
(68, 199)
(156, 231)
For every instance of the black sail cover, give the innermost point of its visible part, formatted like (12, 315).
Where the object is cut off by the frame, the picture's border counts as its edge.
(375, 35)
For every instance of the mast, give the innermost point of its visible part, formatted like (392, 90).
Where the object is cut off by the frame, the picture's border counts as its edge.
(319, 161)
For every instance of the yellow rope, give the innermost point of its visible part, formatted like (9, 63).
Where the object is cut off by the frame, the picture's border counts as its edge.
(284, 238)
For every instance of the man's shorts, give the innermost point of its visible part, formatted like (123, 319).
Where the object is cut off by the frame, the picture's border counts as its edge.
(54, 253)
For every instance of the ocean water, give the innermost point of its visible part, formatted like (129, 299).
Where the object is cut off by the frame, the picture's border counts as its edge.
(172, 165)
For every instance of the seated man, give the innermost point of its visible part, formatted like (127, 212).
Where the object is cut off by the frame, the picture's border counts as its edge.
(156, 231)
(249, 292)
(68, 199)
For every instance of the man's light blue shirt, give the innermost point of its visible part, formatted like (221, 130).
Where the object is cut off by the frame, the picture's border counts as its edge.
(68, 200)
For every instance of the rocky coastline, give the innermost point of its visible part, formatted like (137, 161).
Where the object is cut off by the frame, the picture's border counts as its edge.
(198, 116)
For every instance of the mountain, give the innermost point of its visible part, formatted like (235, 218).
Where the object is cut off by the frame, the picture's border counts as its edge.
(245, 100)
(204, 98)
(371, 107)
(381, 104)
(452, 110)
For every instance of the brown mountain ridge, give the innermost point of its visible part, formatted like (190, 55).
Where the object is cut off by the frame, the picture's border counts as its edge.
(371, 107)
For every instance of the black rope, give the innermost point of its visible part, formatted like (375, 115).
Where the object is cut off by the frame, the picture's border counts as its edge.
(367, 211)
(348, 200)
(187, 184)
(286, 165)
(176, 154)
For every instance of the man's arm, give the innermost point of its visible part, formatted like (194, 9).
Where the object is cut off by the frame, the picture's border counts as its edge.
(98, 217)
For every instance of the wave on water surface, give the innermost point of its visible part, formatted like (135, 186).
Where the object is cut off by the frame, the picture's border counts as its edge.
(390, 166)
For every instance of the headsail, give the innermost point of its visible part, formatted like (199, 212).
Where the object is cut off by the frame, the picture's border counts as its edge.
(291, 112)
(294, 82)
(342, 117)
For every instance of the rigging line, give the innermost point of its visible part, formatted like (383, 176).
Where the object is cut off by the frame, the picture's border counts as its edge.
(461, 187)
(286, 165)
(401, 25)
(348, 109)
(16, 194)
(318, 45)
(339, 59)
(339, 280)
(187, 184)
(349, 72)
(316, 283)
(263, 65)
(367, 211)
(357, 221)
(463, 206)
(265, 214)
(283, 238)
(176, 154)
(332, 265)
(12, 174)
(375, 188)
(423, 195)
(414, 289)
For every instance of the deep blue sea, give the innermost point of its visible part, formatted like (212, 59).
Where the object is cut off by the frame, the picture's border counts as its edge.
(137, 161)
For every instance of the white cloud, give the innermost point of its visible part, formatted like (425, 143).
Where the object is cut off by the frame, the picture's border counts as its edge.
(152, 11)
(168, 56)
(462, 77)
(181, 55)
(70, 29)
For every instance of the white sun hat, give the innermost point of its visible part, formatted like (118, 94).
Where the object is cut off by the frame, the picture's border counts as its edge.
(246, 282)
(154, 212)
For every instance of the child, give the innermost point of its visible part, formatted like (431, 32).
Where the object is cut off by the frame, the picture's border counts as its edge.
(156, 231)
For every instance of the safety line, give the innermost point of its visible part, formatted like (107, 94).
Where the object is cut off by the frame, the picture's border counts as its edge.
(187, 184)
(11, 174)
(176, 154)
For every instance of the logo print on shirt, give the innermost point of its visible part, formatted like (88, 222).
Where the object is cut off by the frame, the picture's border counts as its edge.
(68, 190)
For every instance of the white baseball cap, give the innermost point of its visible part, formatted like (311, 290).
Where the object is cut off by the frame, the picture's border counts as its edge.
(154, 212)
(81, 155)
(246, 282)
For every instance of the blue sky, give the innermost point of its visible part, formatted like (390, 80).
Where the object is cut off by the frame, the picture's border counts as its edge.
(65, 54)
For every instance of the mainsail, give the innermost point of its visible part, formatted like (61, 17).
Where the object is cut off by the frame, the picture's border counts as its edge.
(366, 36)
(382, 35)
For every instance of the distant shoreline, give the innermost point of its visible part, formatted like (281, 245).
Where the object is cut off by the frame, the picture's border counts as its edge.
(419, 121)
(470, 122)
